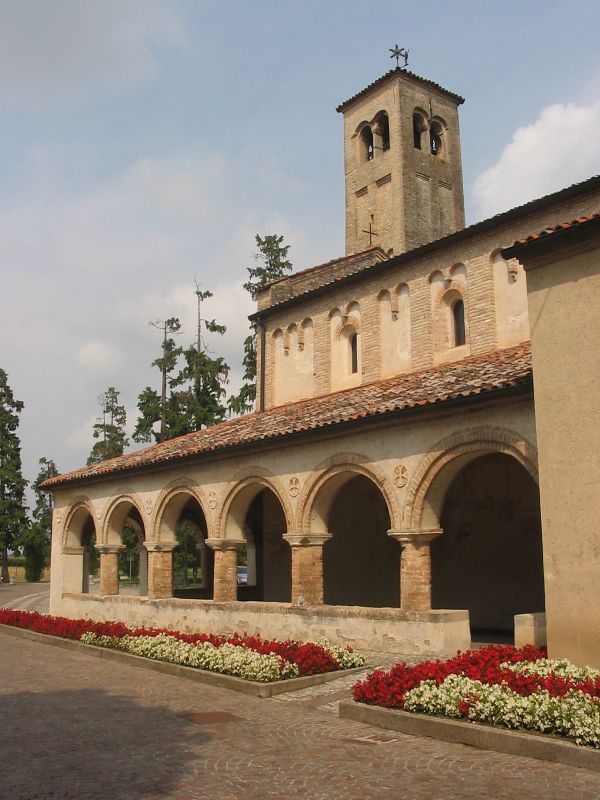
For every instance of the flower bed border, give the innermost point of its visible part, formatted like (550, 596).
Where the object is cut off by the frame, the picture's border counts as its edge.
(487, 737)
(252, 688)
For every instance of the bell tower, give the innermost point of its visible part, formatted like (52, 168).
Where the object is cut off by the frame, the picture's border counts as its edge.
(402, 164)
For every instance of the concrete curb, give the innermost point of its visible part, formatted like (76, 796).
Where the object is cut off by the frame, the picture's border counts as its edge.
(252, 688)
(516, 743)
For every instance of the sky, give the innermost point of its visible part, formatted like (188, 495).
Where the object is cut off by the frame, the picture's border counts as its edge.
(144, 143)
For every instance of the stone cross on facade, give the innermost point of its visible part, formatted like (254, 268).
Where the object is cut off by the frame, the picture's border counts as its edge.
(371, 233)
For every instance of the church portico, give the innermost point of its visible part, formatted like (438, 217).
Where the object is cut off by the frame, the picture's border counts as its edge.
(366, 494)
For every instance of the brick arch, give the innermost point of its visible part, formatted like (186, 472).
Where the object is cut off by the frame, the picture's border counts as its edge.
(333, 471)
(115, 517)
(426, 491)
(246, 485)
(69, 537)
(161, 515)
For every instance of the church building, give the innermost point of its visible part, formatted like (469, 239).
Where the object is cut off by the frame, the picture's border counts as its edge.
(385, 492)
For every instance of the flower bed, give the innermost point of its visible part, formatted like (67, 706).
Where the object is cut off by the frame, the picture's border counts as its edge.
(248, 657)
(499, 685)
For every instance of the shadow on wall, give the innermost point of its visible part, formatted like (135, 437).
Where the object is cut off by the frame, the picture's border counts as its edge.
(74, 745)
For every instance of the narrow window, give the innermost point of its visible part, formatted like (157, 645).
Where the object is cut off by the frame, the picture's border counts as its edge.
(435, 139)
(367, 139)
(383, 129)
(458, 316)
(417, 129)
(354, 353)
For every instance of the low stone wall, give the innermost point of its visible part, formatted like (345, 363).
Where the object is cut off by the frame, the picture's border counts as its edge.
(385, 630)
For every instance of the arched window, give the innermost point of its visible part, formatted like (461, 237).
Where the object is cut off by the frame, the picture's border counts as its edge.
(458, 318)
(366, 136)
(435, 139)
(382, 129)
(354, 353)
(418, 128)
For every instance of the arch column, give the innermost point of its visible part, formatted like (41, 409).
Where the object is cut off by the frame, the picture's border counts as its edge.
(415, 567)
(109, 568)
(225, 570)
(160, 569)
(307, 567)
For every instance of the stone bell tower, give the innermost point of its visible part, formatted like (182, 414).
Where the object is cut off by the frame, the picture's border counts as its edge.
(402, 163)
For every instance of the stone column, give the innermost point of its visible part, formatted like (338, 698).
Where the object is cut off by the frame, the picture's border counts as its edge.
(225, 574)
(415, 568)
(143, 570)
(160, 569)
(109, 568)
(307, 567)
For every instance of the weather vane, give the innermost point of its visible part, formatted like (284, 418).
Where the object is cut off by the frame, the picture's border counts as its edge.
(398, 53)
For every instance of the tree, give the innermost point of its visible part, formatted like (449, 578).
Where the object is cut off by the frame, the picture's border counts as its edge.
(12, 483)
(193, 397)
(35, 539)
(110, 428)
(272, 264)
(152, 407)
(202, 379)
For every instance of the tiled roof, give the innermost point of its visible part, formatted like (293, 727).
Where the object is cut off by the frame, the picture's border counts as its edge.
(554, 229)
(375, 265)
(299, 283)
(399, 71)
(470, 377)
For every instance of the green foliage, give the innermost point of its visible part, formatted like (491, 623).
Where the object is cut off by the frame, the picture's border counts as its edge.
(130, 556)
(12, 483)
(35, 539)
(193, 397)
(110, 428)
(272, 263)
(185, 556)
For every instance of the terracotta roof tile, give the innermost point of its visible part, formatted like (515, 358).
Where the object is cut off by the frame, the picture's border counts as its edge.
(401, 71)
(472, 376)
(550, 231)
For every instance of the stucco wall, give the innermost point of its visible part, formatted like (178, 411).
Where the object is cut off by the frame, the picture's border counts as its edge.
(564, 292)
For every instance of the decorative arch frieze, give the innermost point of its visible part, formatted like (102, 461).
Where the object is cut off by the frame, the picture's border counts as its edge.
(336, 466)
(426, 490)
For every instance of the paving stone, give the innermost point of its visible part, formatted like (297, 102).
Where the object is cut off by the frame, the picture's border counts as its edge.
(77, 727)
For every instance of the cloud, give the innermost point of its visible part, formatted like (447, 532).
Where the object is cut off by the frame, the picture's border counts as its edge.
(558, 149)
(99, 357)
(61, 51)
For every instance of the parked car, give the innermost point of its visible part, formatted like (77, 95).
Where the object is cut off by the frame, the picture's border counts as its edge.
(242, 576)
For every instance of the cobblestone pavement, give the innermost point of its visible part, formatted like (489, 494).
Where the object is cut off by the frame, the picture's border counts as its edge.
(76, 727)
(25, 596)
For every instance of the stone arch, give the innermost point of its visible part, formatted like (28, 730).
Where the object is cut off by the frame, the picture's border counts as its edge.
(317, 494)
(117, 512)
(169, 506)
(425, 493)
(75, 521)
(246, 485)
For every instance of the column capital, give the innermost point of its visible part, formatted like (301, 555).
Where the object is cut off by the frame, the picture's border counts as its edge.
(108, 549)
(306, 538)
(159, 547)
(225, 544)
(415, 537)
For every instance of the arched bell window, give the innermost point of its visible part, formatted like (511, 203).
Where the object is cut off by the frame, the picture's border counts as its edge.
(435, 139)
(366, 136)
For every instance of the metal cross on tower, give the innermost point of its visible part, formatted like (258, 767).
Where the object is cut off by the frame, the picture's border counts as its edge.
(398, 53)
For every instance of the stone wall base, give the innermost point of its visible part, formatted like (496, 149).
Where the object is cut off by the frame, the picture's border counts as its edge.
(530, 629)
(384, 630)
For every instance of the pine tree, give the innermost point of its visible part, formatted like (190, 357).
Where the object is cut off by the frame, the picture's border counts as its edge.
(110, 428)
(35, 540)
(12, 483)
(154, 408)
(272, 264)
